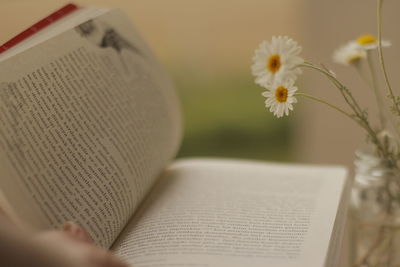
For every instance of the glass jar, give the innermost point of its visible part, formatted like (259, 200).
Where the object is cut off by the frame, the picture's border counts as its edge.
(375, 212)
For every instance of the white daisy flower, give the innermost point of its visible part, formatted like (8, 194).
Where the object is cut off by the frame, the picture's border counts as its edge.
(349, 54)
(277, 59)
(280, 97)
(369, 42)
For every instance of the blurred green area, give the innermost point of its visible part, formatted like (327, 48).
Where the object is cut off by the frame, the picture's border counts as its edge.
(224, 116)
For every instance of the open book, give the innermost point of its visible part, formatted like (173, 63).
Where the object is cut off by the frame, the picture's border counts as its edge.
(90, 124)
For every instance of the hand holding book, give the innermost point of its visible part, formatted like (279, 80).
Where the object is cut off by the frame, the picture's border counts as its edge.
(68, 247)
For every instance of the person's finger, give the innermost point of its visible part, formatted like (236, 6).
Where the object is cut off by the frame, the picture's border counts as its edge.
(77, 232)
(70, 227)
(107, 259)
(119, 263)
(115, 262)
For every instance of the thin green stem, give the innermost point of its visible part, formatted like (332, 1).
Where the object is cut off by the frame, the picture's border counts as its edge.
(326, 103)
(376, 91)
(343, 90)
(381, 59)
(311, 65)
(387, 120)
(361, 123)
(359, 116)
(361, 74)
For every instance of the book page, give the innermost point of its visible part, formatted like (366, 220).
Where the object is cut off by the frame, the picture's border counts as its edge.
(339, 242)
(235, 213)
(88, 121)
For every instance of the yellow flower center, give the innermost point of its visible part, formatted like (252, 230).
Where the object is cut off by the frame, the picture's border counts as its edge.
(353, 59)
(281, 94)
(366, 39)
(274, 63)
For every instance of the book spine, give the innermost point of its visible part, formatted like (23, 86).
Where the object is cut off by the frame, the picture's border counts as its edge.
(40, 25)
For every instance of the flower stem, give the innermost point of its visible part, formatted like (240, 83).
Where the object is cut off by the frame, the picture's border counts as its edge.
(382, 61)
(375, 89)
(326, 103)
(360, 116)
(342, 89)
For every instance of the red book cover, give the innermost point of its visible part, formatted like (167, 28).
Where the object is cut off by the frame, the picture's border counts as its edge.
(40, 25)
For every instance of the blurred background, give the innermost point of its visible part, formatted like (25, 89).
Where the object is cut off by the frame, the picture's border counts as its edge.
(207, 47)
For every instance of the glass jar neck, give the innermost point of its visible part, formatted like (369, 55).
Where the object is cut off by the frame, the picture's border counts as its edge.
(371, 169)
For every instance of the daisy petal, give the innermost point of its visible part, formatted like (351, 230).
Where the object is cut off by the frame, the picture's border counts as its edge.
(275, 60)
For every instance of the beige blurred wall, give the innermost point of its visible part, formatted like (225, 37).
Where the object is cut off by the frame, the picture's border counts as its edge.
(208, 34)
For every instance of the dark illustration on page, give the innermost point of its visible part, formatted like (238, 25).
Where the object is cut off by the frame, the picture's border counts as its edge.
(105, 36)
